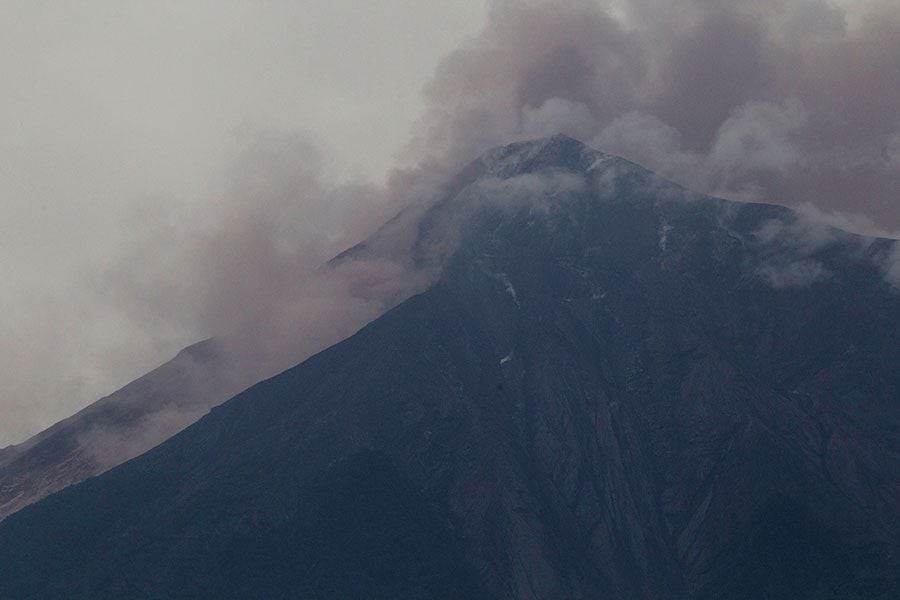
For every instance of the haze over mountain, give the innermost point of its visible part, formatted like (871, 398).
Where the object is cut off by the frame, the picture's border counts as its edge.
(612, 387)
(329, 304)
(118, 427)
(212, 155)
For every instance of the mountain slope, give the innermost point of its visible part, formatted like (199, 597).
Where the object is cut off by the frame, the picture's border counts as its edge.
(615, 389)
(118, 427)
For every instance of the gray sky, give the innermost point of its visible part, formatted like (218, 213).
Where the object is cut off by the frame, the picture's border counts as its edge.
(170, 170)
(112, 109)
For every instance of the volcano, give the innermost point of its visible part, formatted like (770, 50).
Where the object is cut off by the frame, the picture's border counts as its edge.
(614, 388)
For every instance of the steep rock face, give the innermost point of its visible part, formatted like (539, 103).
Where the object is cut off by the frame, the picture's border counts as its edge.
(615, 389)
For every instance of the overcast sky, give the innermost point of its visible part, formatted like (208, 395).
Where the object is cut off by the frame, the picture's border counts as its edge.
(170, 169)
(110, 108)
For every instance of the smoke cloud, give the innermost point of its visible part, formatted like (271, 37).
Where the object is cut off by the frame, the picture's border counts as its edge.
(254, 272)
(787, 101)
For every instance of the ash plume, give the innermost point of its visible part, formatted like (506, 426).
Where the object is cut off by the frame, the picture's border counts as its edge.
(786, 101)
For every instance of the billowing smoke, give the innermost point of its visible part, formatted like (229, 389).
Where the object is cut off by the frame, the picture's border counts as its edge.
(253, 271)
(788, 101)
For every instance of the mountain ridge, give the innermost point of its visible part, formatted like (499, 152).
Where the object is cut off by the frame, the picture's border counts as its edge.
(602, 394)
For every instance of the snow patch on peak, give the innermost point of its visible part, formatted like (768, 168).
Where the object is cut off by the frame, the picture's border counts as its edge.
(664, 230)
(504, 279)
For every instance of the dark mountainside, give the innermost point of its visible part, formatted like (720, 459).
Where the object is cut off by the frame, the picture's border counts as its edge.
(615, 389)
(118, 427)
